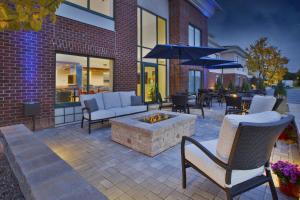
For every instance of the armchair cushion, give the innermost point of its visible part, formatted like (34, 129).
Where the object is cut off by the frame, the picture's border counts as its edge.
(126, 98)
(230, 125)
(194, 155)
(261, 104)
(91, 104)
(112, 100)
(136, 101)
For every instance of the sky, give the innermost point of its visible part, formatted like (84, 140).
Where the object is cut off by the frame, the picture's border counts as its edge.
(242, 22)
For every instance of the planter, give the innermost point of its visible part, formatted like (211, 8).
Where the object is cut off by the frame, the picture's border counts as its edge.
(289, 189)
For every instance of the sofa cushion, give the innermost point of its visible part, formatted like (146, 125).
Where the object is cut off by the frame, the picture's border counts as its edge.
(136, 100)
(126, 98)
(230, 125)
(262, 104)
(128, 110)
(99, 99)
(91, 104)
(214, 171)
(111, 100)
(84, 97)
(100, 114)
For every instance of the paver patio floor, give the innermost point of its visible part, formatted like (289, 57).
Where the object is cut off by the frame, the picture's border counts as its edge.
(123, 174)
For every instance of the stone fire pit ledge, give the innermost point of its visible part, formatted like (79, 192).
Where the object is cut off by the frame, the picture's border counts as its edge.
(152, 139)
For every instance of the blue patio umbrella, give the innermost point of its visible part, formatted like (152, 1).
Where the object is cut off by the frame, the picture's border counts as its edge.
(206, 62)
(233, 65)
(172, 51)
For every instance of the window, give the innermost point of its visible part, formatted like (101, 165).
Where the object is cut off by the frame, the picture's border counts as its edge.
(77, 75)
(194, 36)
(152, 30)
(104, 7)
(195, 81)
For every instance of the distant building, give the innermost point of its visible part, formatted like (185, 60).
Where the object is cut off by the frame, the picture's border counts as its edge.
(236, 76)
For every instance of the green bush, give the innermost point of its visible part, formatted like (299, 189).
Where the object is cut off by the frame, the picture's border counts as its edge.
(218, 84)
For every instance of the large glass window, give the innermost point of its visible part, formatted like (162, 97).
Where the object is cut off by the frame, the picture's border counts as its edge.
(152, 30)
(104, 7)
(77, 75)
(195, 81)
(194, 36)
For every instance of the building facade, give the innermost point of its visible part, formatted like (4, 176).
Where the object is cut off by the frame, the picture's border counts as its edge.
(234, 76)
(98, 46)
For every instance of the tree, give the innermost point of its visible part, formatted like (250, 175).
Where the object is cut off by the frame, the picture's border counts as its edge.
(26, 14)
(267, 61)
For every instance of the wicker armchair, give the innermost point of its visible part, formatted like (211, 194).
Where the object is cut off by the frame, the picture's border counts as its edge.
(247, 162)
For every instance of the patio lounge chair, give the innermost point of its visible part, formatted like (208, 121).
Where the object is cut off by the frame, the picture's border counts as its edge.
(243, 169)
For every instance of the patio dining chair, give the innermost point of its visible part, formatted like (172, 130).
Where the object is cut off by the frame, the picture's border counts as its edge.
(163, 104)
(233, 104)
(247, 165)
(180, 103)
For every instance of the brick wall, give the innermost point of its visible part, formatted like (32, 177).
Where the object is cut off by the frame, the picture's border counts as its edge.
(27, 60)
(182, 13)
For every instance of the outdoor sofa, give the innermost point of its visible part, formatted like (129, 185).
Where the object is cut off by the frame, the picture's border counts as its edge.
(239, 160)
(100, 107)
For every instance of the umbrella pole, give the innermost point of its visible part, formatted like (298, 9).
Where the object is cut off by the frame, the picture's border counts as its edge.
(222, 75)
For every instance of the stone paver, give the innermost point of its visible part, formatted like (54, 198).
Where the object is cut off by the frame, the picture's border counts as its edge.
(124, 174)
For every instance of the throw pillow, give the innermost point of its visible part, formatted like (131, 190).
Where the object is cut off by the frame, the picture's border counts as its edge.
(91, 104)
(136, 100)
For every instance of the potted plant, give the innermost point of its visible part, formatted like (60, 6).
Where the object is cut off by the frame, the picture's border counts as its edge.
(231, 87)
(289, 177)
(280, 91)
(246, 86)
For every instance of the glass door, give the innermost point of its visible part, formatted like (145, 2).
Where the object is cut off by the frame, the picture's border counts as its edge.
(149, 82)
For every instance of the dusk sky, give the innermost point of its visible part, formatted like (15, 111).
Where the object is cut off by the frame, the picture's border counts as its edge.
(242, 22)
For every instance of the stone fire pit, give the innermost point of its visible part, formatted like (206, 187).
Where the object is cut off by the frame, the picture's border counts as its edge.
(152, 138)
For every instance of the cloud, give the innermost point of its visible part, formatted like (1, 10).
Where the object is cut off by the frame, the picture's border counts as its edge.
(243, 22)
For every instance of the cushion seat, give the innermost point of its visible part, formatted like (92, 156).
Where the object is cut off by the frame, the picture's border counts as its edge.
(128, 110)
(194, 155)
(100, 114)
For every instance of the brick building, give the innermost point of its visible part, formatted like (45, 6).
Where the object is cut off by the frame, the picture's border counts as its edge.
(97, 46)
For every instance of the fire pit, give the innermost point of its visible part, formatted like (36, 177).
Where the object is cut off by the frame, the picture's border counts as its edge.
(152, 132)
(155, 118)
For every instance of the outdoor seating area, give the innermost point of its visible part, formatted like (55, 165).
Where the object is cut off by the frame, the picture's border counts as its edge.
(121, 172)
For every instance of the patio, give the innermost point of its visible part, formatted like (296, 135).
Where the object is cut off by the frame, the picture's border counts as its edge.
(122, 173)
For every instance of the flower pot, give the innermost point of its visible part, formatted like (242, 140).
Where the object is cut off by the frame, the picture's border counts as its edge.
(289, 189)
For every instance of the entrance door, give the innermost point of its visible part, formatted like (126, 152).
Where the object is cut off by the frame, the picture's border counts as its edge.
(149, 88)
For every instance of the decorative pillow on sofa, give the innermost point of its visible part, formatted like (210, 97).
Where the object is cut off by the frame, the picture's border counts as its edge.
(126, 98)
(91, 104)
(111, 100)
(136, 100)
(262, 104)
(230, 125)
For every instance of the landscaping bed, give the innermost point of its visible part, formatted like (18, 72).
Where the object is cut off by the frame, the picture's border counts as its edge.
(9, 187)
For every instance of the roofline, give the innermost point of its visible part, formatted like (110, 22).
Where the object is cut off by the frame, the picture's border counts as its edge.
(206, 7)
(235, 48)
